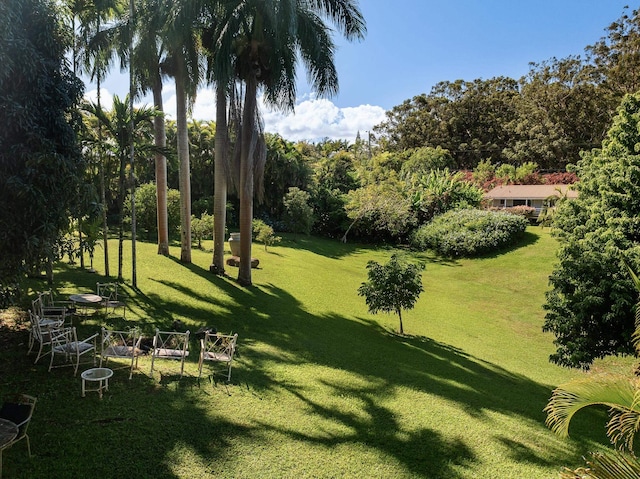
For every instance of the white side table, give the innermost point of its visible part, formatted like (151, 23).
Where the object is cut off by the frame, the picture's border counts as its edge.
(96, 375)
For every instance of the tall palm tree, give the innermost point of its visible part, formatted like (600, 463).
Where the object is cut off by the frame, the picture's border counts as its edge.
(182, 41)
(117, 125)
(260, 42)
(620, 394)
(148, 56)
(94, 49)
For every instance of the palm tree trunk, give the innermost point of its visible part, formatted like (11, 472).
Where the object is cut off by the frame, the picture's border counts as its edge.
(247, 150)
(161, 171)
(184, 170)
(121, 187)
(220, 181)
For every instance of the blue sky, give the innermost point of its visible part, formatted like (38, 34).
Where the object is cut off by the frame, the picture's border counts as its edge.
(413, 44)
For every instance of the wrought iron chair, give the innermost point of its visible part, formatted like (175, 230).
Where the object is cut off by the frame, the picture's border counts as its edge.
(18, 410)
(170, 345)
(121, 345)
(51, 306)
(217, 348)
(41, 332)
(110, 300)
(65, 342)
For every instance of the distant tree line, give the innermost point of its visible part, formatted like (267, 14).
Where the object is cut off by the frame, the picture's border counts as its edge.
(561, 107)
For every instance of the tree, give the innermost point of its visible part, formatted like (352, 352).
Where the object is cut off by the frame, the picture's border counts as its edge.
(181, 35)
(379, 211)
(40, 162)
(117, 125)
(617, 392)
(589, 305)
(298, 215)
(149, 54)
(392, 287)
(262, 42)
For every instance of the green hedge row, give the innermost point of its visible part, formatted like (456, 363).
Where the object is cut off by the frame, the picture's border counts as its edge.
(469, 232)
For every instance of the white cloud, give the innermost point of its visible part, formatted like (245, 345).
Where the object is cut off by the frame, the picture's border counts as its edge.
(106, 98)
(313, 119)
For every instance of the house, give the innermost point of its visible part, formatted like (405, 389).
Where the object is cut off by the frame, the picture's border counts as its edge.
(507, 196)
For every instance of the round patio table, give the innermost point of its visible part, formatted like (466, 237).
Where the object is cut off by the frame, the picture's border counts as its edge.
(85, 300)
(8, 432)
(99, 375)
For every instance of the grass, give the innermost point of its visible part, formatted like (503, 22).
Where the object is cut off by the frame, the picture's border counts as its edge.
(321, 388)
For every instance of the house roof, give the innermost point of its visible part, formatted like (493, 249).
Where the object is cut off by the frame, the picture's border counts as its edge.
(532, 192)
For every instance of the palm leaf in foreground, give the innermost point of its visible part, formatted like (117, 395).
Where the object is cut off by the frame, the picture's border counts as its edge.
(609, 465)
(619, 393)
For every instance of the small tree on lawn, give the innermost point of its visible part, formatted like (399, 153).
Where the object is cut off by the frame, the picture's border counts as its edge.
(392, 287)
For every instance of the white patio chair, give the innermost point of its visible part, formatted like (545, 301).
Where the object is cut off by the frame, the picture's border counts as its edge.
(121, 345)
(217, 348)
(65, 342)
(18, 409)
(52, 314)
(52, 306)
(110, 301)
(170, 345)
(41, 332)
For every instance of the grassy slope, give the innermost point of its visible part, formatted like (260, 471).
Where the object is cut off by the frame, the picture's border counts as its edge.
(321, 387)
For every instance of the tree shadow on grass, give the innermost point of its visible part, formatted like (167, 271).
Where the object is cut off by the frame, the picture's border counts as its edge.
(275, 329)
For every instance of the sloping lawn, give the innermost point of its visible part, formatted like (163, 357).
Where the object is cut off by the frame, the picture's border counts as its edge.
(320, 388)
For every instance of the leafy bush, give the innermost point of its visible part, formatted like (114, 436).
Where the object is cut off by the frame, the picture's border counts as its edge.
(469, 232)
(201, 228)
(146, 211)
(264, 233)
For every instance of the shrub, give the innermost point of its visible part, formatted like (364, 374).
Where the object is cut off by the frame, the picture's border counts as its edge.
(264, 233)
(201, 228)
(469, 232)
(146, 211)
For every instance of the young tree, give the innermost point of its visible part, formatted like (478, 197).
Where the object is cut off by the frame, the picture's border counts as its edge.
(392, 287)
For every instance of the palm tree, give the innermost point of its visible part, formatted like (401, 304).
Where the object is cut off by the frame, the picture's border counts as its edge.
(117, 124)
(182, 41)
(261, 42)
(148, 56)
(617, 392)
(93, 50)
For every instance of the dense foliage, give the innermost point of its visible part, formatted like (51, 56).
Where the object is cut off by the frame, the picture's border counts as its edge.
(40, 162)
(563, 106)
(470, 232)
(590, 306)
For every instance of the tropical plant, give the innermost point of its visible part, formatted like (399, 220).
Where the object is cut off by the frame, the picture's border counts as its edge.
(117, 126)
(260, 43)
(181, 37)
(392, 287)
(617, 392)
(439, 191)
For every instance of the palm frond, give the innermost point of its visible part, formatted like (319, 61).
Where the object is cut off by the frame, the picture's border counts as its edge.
(617, 392)
(608, 465)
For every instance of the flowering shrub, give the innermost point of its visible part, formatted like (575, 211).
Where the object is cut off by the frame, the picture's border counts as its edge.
(469, 232)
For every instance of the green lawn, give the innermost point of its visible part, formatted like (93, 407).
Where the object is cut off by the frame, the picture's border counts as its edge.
(321, 388)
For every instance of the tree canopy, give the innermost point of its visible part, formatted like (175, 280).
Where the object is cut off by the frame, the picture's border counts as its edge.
(40, 162)
(590, 306)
